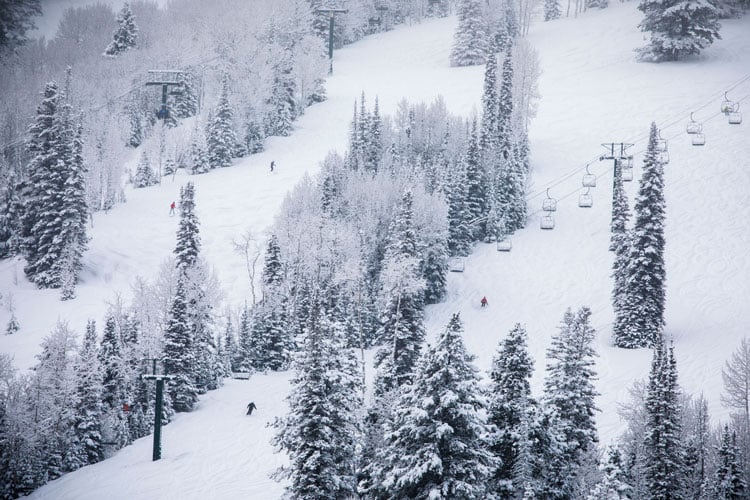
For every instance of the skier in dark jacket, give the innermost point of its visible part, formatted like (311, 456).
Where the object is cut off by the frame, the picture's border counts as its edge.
(484, 302)
(251, 407)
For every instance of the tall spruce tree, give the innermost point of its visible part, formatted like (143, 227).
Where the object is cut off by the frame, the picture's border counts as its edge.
(510, 411)
(10, 215)
(664, 467)
(188, 234)
(220, 137)
(470, 40)
(459, 217)
(55, 211)
(114, 384)
(144, 173)
(569, 383)
(125, 36)
(488, 133)
(552, 10)
(321, 430)
(677, 28)
(620, 245)
(402, 320)
(281, 104)
(643, 300)
(89, 386)
(435, 446)
(179, 353)
(728, 483)
(476, 183)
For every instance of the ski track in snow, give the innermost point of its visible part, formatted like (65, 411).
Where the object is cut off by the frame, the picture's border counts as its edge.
(592, 91)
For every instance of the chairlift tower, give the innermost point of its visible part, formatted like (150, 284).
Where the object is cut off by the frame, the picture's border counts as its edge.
(160, 378)
(331, 15)
(166, 78)
(617, 151)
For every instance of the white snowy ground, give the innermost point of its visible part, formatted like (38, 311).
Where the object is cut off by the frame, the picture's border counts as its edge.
(592, 92)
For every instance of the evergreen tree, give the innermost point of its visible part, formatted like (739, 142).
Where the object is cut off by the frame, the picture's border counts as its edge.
(126, 34)
(188, 235)
(144, 174)
(254, 137)
(199, 163)
(89, 378)
(320, 432)
(114, 384)
(13, 325)
(220, 136)
(643, 299)
(435, 446)
(281, 103)
(137, 131)
(459, 217)
(402, 320)
(552, 10)
(620, 245)
(470, 40)
(10, 203)
(179, 352)
(374, 151)
(510, 411)
(186, 101)
(273, 268)
(677, 28)
(434, 265)
(664, 469)
(488, 130)
(613, 485)
(728, 481)
(569, 384)
(55, 210)
(476, 183)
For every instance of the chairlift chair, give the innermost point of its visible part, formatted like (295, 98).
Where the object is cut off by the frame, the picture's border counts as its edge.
(626, 162)
(661, 144)
(547, 222)
(549, 204)
(735, 117)
(699, 139)
(504, 245)
(727, 106)
(627, 174)
(589, 179)
(456, 264)
(694, 127)
(664, 157)
(586, 200)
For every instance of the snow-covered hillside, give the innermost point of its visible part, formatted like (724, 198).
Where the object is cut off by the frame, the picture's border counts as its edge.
(593, 91)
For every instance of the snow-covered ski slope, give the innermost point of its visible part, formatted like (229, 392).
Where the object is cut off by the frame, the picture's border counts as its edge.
(592, 92)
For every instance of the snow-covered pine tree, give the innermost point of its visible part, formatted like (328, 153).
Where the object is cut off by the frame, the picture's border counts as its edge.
(476, 184)
(620, 245)
(613, 485)
(321, 430)
(188, 234)
(114, 384)
(434, 268)
(677, 28)
(459, 229)
(43, 197)
(374, 151)
(273, 267)
(144, 174)
(488, 133)
(436, 445)
(88, 425)
(125, 36)
(137, 131)
(470, 40)
(281, 103)
(179, 353)
(12, 326)
(246, 351)
(230, 346)
(643, 300)
(198, 162)
(663, 460)
(696, 437)
(220, 137)
(728, 483)
(552, 10)
(10, 203)
(254, 137)
(569, 384)
(509, 410)
(186, 101)
(402, 288)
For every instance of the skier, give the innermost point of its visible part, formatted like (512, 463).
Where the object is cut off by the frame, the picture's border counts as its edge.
(273, 163)
(251, 407)
(484, 301)
(171, 209)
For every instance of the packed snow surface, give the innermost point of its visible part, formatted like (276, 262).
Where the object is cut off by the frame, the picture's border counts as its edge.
(593, 92)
